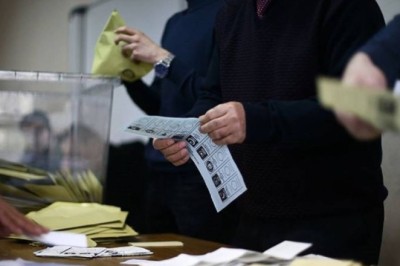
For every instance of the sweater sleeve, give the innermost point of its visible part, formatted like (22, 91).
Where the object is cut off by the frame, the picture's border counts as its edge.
(187, 80)
(345, 27)
(384, 50)
(146, 97)
(210, 95)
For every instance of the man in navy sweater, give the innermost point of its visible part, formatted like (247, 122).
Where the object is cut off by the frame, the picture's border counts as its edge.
(307, 178)
(178, 199)
(376, 65)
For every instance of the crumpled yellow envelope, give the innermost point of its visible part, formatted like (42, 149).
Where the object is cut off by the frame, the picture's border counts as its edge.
(108, 59)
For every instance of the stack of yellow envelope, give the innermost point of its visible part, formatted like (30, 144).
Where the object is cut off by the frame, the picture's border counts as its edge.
(30, 189)
(97, 221)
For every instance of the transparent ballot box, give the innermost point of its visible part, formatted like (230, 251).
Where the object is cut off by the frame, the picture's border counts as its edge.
(54, 131)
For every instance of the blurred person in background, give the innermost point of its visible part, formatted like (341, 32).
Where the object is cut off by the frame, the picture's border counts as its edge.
(41, 148)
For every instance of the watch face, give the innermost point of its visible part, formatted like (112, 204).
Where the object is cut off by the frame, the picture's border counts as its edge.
(160, 70)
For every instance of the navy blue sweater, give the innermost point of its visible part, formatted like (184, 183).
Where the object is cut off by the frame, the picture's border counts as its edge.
(297, 160)
(189, 36)
(384, 50)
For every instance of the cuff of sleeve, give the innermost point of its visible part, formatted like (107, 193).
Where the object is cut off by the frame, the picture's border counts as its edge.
(386, 59)
(258, 123)
(178, 71)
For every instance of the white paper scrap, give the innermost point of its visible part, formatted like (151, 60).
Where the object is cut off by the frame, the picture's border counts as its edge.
(287, 250)
(181, 260)
(55, 238)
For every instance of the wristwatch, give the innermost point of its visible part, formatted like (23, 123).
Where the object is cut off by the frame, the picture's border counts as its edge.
(161, 67)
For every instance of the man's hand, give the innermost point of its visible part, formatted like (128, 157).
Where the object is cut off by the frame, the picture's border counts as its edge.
(174, 152)
(225, 123)
(14, 222)
(361, 71)
(139, 47)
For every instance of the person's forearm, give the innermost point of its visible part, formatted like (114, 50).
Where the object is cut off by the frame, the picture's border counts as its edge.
(384, 50)
(144, 96)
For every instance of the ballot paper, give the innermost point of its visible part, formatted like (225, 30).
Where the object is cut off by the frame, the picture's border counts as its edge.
(380, 108)
(214, 162)
(62, 238)
(95, 252)
(287, 250)
(278, 255)
(21, 262)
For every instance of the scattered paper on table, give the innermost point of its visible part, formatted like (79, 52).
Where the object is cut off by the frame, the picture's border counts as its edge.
(224, 256)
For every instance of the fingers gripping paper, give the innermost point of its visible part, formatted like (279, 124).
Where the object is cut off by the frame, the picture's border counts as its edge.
(380, 108)
(108, 58)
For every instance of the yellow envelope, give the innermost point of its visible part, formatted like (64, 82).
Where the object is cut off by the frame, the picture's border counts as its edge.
(127, 231)
(21, 175)
(50, 192)
(108, 58)
(322, 262)
(65, 215)
(7, 190)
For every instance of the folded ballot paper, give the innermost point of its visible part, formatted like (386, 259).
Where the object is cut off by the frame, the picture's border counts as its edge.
(214, 162)
(94, 252)
(108, 58)
(280, 254)
(380, 108)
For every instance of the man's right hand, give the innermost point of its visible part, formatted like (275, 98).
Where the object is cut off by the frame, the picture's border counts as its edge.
(14, 222)
(138, 46)
(175, 152)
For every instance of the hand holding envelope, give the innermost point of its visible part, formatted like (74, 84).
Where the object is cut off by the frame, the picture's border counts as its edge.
(380, 108)
(108, 58)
